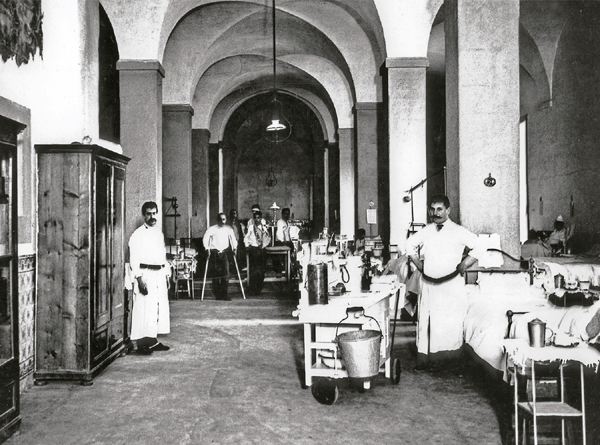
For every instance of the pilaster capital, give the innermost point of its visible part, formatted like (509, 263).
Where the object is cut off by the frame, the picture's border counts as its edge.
(141, 65)
(178, 108)
(375, 106)
(406, 62)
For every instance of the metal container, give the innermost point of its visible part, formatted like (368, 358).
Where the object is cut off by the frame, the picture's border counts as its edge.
(317, 283)
(559, 281)
(360, 351)
(537, 333)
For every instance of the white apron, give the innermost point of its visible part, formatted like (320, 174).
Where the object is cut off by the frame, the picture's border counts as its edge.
(150, 314)
(442, 310)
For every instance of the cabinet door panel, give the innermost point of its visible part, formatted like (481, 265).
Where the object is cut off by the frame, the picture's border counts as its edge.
(118, 242)
(103, 244)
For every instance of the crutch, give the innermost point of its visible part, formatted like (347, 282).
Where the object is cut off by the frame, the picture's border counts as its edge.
(205, 272)
(239, 276)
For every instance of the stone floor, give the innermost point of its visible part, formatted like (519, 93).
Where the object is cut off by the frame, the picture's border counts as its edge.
(234, 375)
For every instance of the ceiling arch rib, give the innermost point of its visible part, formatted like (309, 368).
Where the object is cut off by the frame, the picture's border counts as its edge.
(229, 78)
(228, 106)
(242, 39)
(231, 74)
(359, 42)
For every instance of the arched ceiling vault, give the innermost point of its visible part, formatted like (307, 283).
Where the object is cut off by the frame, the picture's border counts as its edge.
(217, 48)
(233, 76)
(230, 104)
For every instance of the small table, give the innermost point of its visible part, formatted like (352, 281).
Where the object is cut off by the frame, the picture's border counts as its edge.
(524, 356)
(274, 250)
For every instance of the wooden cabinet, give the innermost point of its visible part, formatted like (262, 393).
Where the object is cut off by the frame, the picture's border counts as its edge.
(9, 330)
(80, 317)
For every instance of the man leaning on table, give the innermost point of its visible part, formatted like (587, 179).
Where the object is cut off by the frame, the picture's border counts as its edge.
(442, 304)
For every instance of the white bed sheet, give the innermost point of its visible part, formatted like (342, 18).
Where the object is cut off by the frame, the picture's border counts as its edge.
(486, 322)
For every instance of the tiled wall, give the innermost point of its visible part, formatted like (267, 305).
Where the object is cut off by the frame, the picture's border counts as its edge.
(26, 319)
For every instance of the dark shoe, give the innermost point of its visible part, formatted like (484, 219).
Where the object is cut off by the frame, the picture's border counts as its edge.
(144, 350)
(159, 347)
(422, 367)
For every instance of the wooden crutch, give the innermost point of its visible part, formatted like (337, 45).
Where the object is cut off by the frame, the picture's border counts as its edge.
(205, 272)
(239, 276)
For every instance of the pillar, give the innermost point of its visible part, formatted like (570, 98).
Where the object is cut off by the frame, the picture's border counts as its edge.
(333, 157)
(483, 115)
(213, 182)
(141, 135)
(347, 192)
(229, 179)
(326, 185)
(177, 165)
(200, 176)
(367, 124)
(407, 144)
(318, 189)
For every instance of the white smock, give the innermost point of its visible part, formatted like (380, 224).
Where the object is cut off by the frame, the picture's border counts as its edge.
(150, 315)
(442, 306)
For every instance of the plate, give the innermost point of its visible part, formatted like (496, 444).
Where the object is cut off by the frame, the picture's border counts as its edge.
(565, 341)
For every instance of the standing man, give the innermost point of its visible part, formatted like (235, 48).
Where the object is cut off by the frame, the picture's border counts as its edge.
(442, 304)
(148, 260)
(238, 231)
(219, 240)
(282, 232)
(256, 240)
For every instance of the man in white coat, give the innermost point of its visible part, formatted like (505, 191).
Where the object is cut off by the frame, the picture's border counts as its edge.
(442, 304)
(148, 259)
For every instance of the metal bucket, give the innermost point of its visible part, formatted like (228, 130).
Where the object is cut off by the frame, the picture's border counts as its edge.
(360, 351)
(317, 283)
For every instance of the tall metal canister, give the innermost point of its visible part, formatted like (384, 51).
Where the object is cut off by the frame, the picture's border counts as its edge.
(317, 283)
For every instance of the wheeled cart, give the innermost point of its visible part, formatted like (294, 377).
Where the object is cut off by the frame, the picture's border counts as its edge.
(351, 311)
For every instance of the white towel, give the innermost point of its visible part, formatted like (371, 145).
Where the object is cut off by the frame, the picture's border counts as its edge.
(490, 259)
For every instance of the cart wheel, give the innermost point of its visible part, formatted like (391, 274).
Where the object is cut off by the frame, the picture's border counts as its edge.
(396, 371)
(325, 391)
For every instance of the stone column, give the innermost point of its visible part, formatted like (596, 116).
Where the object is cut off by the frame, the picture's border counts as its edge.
(229, 182)
(141, 135)
(213, 182)
(407, 144)
(326, 185)
(367, 123)
(177, 164)
(221, 190)
(318, 191)
(200, 189)
(347, 190)
(333, 157)
(483, 109)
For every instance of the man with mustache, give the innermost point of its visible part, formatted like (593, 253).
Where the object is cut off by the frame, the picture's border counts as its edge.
(442, 251)
(148, 260)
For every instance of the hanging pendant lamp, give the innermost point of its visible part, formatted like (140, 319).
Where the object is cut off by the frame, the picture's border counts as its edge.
(278, 128)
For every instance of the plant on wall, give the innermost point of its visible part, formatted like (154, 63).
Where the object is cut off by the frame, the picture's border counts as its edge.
(20, 29)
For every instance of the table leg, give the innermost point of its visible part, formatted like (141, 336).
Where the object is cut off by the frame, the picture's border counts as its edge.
(307, 354)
